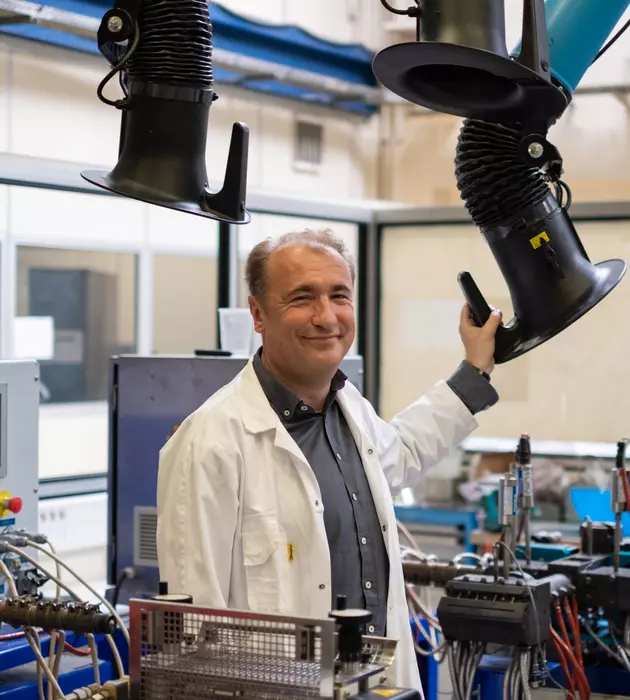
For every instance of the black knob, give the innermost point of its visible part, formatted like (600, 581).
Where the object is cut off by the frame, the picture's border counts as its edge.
(342, 602)
(163, 588)
(350, 628)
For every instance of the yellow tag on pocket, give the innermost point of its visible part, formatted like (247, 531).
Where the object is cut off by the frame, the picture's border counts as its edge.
(291, 551)
(386, 692)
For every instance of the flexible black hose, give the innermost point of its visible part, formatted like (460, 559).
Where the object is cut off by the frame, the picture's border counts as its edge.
(175, 44)
(492, 177)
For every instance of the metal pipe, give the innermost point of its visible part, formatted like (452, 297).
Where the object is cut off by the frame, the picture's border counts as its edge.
(436, 573)
(526, 480)
(507, 516)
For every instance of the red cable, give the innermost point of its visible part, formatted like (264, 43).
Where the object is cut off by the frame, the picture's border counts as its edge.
(626, 488)
(571, 656)
(585, 690)
(565, 667)
(574, 621)
(77, 652)
(66, 645)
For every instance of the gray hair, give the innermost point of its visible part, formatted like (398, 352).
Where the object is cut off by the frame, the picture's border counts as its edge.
(256, 266)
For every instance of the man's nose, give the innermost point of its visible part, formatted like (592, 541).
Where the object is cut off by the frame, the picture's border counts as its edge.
(324, 314)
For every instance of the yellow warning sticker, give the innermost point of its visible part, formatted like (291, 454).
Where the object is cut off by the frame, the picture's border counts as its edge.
(291, 551)
(536, 241)
(386, 692)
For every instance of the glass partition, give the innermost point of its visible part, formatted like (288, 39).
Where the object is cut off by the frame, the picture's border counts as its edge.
(575, 387)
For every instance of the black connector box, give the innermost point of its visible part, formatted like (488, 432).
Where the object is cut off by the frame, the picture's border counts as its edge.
(572, 566)
(603, 588)
(482, 609)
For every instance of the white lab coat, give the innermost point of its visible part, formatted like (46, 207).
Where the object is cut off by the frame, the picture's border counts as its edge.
(240, 516)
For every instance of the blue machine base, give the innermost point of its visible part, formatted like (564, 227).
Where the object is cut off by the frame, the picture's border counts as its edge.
(18, 670)
(606, 680)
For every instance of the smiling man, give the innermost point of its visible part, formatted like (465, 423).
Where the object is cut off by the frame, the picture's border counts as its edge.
(276, 494)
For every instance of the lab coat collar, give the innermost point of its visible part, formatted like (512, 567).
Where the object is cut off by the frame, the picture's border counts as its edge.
(259, 416)
(256, 411)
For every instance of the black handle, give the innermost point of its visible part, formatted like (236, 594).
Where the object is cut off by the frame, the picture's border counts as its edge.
(507, 336)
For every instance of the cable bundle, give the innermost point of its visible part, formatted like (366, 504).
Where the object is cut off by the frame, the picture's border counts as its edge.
(175, 44)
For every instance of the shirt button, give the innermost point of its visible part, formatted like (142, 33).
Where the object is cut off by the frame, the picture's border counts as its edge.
(391, 607)
(368, 584)
(354, 496)
(287, 413)
(338, 456)
(384, 528)
(305, 408)
(371, 629)
(364, 540)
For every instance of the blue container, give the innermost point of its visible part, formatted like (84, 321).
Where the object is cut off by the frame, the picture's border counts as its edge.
(590, 501)
(577, 30)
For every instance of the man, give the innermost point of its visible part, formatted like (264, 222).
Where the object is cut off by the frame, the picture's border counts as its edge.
(275, 495)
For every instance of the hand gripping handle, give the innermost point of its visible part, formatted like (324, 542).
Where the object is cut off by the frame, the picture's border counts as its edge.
(507, 336)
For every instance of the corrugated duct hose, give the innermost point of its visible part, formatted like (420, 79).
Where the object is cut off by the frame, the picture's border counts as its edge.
(175, 44)
(492, 177)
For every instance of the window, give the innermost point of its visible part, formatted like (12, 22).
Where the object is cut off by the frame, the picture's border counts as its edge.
(574, 387)
(91, 298)
(184, 304)
(309, 144)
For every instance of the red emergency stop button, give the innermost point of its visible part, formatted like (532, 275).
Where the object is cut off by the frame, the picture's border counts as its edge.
(14, 504)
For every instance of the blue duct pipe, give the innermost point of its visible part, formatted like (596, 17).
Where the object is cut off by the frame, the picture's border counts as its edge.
(577, 30)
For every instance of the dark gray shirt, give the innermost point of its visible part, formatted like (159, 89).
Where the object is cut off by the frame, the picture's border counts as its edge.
(358, 557)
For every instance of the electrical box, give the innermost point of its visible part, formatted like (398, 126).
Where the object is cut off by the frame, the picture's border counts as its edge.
(19, 445)
(149, 397)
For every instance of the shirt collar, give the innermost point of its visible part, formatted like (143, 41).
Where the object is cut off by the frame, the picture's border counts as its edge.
(285, 403)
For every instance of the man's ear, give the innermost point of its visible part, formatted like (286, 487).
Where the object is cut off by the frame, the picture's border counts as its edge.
(257, 314)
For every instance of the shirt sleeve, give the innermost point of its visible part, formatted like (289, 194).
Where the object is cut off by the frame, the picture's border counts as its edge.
(472, 388)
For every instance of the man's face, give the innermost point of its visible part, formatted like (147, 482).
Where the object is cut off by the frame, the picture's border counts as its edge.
(307, 315)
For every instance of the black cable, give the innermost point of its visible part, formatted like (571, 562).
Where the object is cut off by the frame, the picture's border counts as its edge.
(396, 11)
(118, 67)
(605, 48)
(122, 577)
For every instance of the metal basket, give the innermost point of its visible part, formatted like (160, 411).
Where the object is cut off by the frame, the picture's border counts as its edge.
(182, 651)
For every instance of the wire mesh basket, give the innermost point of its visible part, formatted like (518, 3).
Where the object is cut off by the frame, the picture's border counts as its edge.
(183, 651)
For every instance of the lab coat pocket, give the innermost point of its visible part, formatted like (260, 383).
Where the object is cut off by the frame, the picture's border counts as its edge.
(265, 567)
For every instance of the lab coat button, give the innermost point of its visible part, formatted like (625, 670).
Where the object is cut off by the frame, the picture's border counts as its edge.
(370, 451)
(316, 503)
(322, 586)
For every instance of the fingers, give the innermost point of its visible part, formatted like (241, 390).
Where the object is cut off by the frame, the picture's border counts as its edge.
(465, 315)
(494, 321)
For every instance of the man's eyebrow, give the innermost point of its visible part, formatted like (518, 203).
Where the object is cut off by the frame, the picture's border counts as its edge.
(308, 288)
